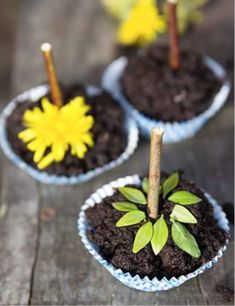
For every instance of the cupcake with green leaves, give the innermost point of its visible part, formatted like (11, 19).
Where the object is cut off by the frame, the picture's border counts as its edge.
(153, 233)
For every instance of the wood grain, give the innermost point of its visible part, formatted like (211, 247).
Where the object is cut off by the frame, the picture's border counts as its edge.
(18, 232)
(42, 258)
(18, 196)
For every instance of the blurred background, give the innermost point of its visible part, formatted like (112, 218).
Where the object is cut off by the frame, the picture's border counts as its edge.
(9, 11)
(212, 34)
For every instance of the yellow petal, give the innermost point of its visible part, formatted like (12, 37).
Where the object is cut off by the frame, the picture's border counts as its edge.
(39, 154)
(34, 145)
(80, 150)
(58, 151)
(142, 25)
(73, 151)
(27, 135)
(46, 161)
(78, 100)
(88, 139)
(32, 115)
(85, 124)
(48, 107)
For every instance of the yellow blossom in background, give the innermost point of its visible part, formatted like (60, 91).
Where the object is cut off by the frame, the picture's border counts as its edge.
(188, 12)
(142, 24)
(52, 131)
(118, 8)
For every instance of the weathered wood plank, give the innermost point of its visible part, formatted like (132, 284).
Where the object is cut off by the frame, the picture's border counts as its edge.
(217, 284)
(83, 41)
(8, 16)
(81, 36)
(64, 272)
(18, 232)
(18, 207)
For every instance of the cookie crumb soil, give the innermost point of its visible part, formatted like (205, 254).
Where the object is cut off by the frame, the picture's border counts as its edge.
(109, 135)
(115, 243)
(160, 93)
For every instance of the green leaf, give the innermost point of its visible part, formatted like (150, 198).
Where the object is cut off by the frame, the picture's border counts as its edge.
(170, 183)
(145, 184)
(184, 239)
(182, 214)
(130, 218)
(184, 198)
(133, 195)
(160, 235)
(124, 206)
(143, 237)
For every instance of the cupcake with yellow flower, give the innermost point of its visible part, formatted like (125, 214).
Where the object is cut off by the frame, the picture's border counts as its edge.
(66, 134)
(178, 90)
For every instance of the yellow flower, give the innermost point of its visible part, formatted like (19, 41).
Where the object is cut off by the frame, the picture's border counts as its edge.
(118, 8)
(52, 131)
(142, 24)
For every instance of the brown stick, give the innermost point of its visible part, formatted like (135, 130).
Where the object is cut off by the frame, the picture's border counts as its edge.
(154, 172)
(174, 56)
(51, 73)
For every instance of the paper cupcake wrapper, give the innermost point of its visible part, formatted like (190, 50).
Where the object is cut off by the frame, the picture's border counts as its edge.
(33, 95)
(136, 282)
(173, 131)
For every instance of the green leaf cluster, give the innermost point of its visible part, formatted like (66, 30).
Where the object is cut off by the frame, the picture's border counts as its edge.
(134, 195)
(184, 239)
(133, 214)
(189, 12)
(157, 233)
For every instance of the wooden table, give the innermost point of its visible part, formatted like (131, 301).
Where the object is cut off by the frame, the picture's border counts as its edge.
(42, 260)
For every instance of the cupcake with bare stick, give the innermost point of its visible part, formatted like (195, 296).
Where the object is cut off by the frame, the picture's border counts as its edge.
(64, 134)
(164, 86)
(153, 233)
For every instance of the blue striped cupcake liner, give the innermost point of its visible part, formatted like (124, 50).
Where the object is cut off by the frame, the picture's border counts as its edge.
(34, 95)
(173, 131)
(136, 282)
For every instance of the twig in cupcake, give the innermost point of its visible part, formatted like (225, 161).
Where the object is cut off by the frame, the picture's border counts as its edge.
(56, 94)
(174, 56)
(153, 227)
(154, 172)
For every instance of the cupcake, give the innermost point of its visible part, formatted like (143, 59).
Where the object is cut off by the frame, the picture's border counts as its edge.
(153, 234)
(166, 87)
(64, 134)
